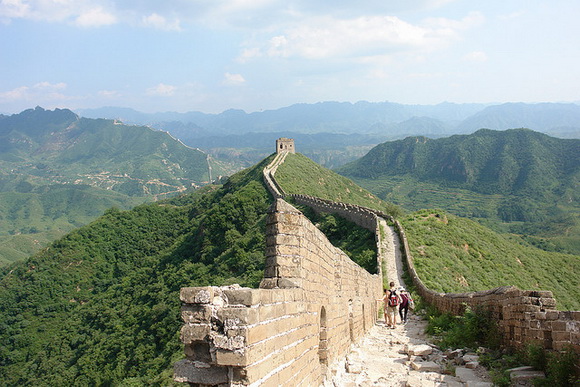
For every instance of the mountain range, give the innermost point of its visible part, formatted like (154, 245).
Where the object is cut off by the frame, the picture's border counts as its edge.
(525, 181)
(59, 171)
(100, 306)
(334, 133)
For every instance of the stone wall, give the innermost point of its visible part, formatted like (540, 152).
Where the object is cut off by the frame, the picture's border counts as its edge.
(268, 174)
(523, 316)
(312, 304)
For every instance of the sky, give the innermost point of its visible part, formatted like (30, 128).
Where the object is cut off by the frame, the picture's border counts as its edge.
(213, 55)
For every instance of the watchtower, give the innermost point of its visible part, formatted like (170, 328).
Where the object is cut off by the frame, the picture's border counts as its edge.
(285, 145)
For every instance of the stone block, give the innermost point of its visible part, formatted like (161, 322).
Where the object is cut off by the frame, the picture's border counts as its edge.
(269, 283)
(426, 366)
(187, 371)
(289, 272)
(197, 295)
(191, 333)
(525, 377)
(195, 313)
(561, 336)
(261, 332)
(238, 316)
(559, 326)
(289, 283)
(231, 358)
(419, 350)
(244, 296)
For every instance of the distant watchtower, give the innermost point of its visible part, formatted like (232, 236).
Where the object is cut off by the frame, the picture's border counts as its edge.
(285, 145)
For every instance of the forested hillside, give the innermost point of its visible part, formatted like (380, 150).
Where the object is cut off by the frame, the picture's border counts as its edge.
(59, 171)
(516, 180)
(101, 305)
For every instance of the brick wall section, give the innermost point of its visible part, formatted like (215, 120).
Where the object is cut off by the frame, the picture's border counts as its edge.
(268, 173)
(312, 304)
(523, 316)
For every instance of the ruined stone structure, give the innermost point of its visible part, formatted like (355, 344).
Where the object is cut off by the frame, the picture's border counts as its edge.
(311, 305)
(314, 302)
(285, 145)
(523, 316)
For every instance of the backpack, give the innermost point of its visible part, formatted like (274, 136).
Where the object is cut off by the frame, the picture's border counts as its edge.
(393, 299)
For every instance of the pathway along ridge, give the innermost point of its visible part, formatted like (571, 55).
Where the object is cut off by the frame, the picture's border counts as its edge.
(403, 356)
(390, 357)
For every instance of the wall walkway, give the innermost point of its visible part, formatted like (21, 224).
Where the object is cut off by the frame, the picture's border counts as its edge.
(314, 302)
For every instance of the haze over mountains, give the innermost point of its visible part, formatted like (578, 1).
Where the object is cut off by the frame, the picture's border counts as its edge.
(326, 130)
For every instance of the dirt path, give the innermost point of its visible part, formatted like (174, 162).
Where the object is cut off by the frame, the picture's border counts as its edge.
(402, 356)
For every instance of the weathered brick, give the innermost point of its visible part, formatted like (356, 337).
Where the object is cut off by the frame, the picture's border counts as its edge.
(197, 295)
(191, 333)
(193, 313)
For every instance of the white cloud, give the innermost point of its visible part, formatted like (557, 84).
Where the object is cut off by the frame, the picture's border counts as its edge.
(12, 9)
(40, 93)
(109, 93)
(328, 37)
(476, 56)
(233, 79)
(161, 23)
(95, 17)
(161, 90)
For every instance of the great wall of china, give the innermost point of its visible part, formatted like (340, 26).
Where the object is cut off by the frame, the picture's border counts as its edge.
(314, 302)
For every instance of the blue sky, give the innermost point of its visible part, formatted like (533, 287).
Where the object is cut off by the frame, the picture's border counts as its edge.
(212, 55)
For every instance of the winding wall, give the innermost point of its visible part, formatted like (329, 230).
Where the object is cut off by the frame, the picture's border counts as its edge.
(314, 302)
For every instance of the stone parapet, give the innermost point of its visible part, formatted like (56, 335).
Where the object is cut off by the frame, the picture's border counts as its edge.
(312, 304)
(523, 316)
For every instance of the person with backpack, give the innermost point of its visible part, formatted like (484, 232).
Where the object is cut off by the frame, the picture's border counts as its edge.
(391, 300)
(404, 305)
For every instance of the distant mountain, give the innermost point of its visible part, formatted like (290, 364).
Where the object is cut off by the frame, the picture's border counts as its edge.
(515, 176)
(101, 305)
(384, 118)
(65, 148)
(333, 117)
(487, 161)
(59, 171)
(335, 133)
(550, 118)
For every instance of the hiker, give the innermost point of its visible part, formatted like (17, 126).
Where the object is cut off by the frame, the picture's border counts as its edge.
(391, 300)
(404, 305)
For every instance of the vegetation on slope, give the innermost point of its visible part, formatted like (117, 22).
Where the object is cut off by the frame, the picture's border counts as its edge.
(31, 220)
(300, 175)
(59, 171)
(516, 181)
(101, 305)
(454, 254)
(357, 242)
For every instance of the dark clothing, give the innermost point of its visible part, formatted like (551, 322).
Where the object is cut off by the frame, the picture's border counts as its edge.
(404, 307)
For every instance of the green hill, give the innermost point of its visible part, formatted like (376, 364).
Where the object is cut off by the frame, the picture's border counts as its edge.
(59, 171)
(300, 175)
(515, 180)
(454, 254)
(101, 305)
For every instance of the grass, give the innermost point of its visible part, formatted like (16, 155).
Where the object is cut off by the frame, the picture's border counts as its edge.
(454, 254)
(296, 174)
(554, 227)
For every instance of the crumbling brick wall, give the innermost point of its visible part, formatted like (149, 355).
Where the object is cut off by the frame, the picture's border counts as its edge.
(523, 316)
(312, 304)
